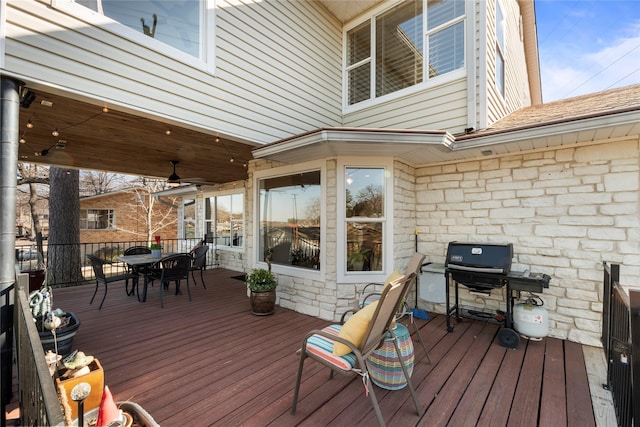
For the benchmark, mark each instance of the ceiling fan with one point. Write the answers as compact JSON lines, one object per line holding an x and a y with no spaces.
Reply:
{"x":174,"y":180}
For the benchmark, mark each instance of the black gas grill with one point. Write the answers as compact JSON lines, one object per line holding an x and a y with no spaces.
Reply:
{"x":482,"y":267}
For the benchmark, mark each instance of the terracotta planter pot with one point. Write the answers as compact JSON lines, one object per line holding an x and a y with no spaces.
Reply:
{"x":263,"y":303}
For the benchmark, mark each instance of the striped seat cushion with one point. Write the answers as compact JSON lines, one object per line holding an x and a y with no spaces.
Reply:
{"x":322,"y":348}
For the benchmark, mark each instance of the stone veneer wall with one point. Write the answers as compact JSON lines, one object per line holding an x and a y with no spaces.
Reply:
{"x":565,"y":211}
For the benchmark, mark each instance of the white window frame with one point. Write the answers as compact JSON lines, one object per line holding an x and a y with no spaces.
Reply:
{"x":215,"y":195}
{"x":305,"y":273}
{"x":427,"y":82}
{"x":112,"y":214}
{"x":344,"y":276}
{"x":207,"y":35}
{"x":500,"y":49}
{"x":183,"y":221}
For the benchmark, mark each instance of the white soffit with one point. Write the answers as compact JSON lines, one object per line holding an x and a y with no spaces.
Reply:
{"x":428,"y":147}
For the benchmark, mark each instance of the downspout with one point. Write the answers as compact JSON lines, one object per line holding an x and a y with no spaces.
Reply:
{"x":164,"y":202}
{"x":9,"y":132}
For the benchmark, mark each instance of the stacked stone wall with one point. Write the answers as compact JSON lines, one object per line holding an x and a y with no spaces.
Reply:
{"x":565,"y":211}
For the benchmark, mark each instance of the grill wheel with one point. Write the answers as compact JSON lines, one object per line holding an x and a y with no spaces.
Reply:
{"x":508,"y":338}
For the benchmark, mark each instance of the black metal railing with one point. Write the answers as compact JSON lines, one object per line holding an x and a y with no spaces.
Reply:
{"x":71,"y":254}
{"x":621,"y":340}
{"x":39,"y":404}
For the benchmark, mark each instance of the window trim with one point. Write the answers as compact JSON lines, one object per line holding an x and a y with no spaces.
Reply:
{"x":222,"y":193}
{"x":500,"y":51}
{"x":207,"y":36}
{"x":304,"y":273}
{"x":112,"y":223}
{"x":344,"y":276}
{"x":427,"y":82}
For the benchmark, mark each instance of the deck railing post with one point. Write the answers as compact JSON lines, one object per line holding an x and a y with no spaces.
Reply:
{"x":634,"y":302}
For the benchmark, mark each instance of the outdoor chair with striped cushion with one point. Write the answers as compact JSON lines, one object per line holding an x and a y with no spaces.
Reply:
{"x":320,"y":345}
{"x":372,"y":291}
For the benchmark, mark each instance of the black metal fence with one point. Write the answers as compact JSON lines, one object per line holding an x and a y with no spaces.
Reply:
{"x":621,"y":341}
{"x":28,"y":259}
{"x":39,"y":404}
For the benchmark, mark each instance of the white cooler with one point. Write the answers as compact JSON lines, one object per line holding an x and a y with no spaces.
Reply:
{"x":432,"y":283}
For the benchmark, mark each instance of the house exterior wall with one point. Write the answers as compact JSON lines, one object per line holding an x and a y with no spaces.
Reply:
{"x":565,"y":211}
{"x":279,"y":61}
{"x":517,"y":93}
{"x":130,"y":219}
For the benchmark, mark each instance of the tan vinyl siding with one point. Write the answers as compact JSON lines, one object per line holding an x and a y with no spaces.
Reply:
{"x":277,"y":68}
{"x":442,"y":106}
{"x":517,"y":93}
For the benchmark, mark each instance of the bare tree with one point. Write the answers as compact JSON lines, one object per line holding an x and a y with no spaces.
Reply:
{"x":93,"y":183}
{"x":155,"y":219}
{"x":35,"y":178}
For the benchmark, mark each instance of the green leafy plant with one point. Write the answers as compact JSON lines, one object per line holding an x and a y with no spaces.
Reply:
{"x":261,"y":280}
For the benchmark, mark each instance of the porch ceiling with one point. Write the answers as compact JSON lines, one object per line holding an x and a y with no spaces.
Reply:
{"x":118,"y":141}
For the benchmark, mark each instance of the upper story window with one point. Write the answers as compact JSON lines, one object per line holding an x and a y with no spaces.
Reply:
{"x":97,"y":219}
{"x":175,"y":27}
{"x":289,"y":220}
{"x":500,"y":43}
{"x":224,"y":220}
{"x":387,"y":53}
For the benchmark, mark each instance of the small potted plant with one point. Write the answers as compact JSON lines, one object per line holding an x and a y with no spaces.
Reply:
{"x":156,"y":248}
{"x":262,"y":284}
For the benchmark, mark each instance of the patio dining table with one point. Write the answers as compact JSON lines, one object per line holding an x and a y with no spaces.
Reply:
{"x":140,"y":262}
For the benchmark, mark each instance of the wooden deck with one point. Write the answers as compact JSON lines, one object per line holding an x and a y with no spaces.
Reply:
{"x":211,"y":362}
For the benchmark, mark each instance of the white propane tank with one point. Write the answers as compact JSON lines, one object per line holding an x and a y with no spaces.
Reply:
{"x":530,"y":319}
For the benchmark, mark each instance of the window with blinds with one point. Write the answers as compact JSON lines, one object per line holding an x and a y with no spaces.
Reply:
{"x":403,"y":36}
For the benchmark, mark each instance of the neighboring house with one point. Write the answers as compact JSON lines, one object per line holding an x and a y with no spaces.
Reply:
{"x":123,"y":216}
{"x":380,"y":126}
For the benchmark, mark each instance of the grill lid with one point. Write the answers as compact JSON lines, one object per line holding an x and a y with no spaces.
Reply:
{"x":480,"y":257}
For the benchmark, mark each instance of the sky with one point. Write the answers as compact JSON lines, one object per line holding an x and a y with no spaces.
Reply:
{"x":587,"y":46}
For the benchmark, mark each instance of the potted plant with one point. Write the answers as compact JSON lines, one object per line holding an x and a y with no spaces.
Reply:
{"x":262,"y":284}
{"x":55,"y":327}
{"x":156,"y":248}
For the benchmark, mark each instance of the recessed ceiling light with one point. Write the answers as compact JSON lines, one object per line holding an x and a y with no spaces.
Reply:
{"x":46,"y":103}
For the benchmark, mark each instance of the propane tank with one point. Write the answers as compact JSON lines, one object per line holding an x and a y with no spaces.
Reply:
{"x":530,"y":319}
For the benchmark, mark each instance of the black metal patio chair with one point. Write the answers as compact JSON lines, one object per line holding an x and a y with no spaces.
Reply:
{"x":199,"y":262}
{"x":172,"y":268}
{"x":101,"y":278}
{"x":135,"y":250}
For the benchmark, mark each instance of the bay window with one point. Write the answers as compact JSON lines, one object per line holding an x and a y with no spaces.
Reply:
{"x":289,"y":210}
{"x":365,"y":218}
{"x":224,"y":220}
{"x":188,"y":218}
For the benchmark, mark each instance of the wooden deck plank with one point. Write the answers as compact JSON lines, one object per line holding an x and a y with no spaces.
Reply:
{"x":445,"y":403}
{"x":496,"y":409}
{"x":526,"y":400}
{"x":553,"y":402}
{"x":470,"y":407}
{"x":579,"y":406}
{"x":211,"y":362}
{"x":429,"y":389}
